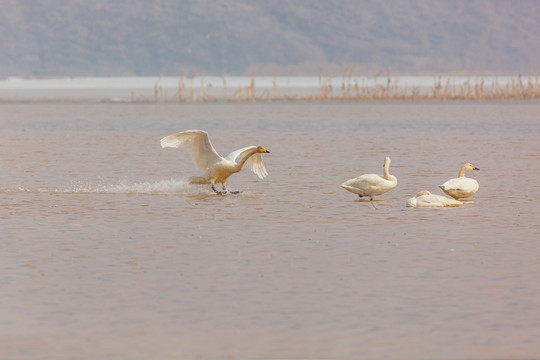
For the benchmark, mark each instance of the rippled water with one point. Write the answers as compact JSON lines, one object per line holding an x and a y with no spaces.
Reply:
{"x":108,"y":252}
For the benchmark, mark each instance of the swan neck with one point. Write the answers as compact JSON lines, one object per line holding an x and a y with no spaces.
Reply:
{"x":387,"y":175}
{"x":242,"y":160}
{"x":462,"y":172}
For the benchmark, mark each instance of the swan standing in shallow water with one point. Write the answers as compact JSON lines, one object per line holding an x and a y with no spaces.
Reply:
{"x":461,"y":187}
{"x":216,"y":168}
{"x":427,"y":199}
{"x":372,"y":184}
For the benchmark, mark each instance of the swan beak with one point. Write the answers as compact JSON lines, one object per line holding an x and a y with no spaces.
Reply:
{"x":265,"y":151}
{"x":475,"y":168}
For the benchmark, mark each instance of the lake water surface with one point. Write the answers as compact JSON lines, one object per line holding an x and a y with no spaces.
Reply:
{"x":108,"y":253}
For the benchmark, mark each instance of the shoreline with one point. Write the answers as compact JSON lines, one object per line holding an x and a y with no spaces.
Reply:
{"x":265,"y":89}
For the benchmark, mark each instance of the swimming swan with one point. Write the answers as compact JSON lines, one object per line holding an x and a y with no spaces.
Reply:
{"x":461,"y":187}
{"x":372,"y":184}
{"x":217,"y":169}
{"x":427,"y":199}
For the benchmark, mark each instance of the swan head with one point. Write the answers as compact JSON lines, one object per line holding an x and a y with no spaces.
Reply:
{"x":386,"y":161}
{"x":262,"y":149}
{"x":423,"y":192}
{"x":469,"y":166}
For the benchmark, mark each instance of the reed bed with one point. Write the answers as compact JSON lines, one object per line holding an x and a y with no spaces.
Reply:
{"x":444,"y":88}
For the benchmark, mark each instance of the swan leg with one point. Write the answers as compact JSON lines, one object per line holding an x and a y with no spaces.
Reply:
{"x":219,"y":192}
{"x":230,"y":192}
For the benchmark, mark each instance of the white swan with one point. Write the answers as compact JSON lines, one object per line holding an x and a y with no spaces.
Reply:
{"x":372,"y":184}
{"x":461,"y":187}
{"x":427,"y":199}
{"x":217,"y":169}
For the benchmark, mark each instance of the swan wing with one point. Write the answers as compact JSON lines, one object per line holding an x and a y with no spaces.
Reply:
{"x":411,"y":202}
{"x":366,"y":182}
{"x":460,"y":187}
{"x":462,"y":184}
{"x":437,"y":200}
{"x":255,"y":162}
{"x":449,"y":202}
{"x":373,"y":180}
{"x":198,"y":143}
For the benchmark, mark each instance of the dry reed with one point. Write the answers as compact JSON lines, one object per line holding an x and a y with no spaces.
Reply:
{"x":443,"y":89}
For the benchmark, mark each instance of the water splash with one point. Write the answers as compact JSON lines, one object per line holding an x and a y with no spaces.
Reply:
{"x":159,"y":187}
{"x":171,"y":186}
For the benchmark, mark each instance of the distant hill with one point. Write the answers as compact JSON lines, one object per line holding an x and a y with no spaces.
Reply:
{"x":140,"y":37}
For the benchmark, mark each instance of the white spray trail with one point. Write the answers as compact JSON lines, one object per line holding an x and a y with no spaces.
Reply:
{"x":171,"y":186}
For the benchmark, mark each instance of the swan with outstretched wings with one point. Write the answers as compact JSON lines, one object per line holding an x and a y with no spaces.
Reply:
{"x":217,"y":169}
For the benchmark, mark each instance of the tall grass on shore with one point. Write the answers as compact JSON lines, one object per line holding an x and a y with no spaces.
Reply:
{"x":443,"y":89}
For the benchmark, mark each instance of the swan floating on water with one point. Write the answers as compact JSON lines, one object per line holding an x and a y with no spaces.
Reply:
{"x":426,"y":199}
{"x":461,"y":187}
{"x":217,"y":169}
{"x":372,"y":184}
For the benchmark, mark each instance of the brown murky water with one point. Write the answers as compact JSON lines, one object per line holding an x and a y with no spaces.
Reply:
{"x":107,"y":252}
